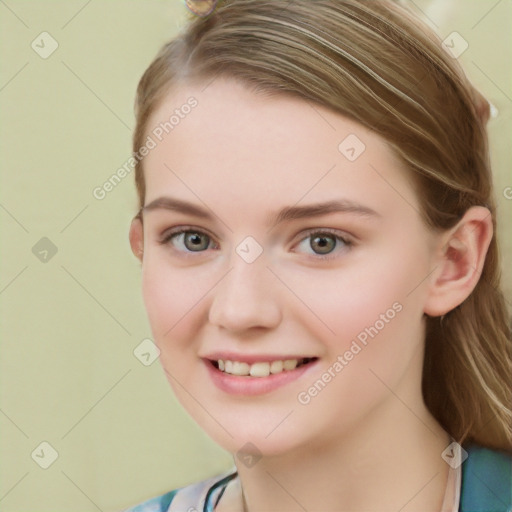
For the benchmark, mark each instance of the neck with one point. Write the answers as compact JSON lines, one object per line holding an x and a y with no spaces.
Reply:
{"x":394,"y":463}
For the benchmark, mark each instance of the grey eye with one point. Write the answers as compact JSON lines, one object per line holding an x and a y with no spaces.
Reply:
{"x":325,"y":243}
{"x":195,"y":241}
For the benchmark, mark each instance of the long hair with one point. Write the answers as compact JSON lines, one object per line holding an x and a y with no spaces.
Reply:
{"x":375,"y":63}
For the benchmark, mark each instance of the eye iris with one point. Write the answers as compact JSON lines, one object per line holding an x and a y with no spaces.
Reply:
{"x":195,"y":240}
{"x":323,"y":243}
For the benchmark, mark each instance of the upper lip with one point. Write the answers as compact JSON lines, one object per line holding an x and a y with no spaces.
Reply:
{"x":254,"y":358}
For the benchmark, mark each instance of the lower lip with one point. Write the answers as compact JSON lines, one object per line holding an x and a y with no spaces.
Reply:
{"x":240,"y":385}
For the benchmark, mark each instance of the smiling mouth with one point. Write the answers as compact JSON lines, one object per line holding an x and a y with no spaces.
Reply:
{"x":259,"y":369}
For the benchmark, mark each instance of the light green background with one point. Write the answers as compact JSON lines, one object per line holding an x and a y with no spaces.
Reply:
{"x":69,"y":326}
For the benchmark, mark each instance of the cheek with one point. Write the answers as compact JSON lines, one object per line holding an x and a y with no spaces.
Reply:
{"x":370,"y":316}
{"x":165,"y":306}
{"x":175,"y":302}
{"x":378,"y":337}
{"x":339,"y":304}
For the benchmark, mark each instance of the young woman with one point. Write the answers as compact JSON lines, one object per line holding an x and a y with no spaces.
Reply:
{"x":317,"y":233}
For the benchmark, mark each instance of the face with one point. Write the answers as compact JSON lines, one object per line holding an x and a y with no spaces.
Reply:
{"x":338,"y":291}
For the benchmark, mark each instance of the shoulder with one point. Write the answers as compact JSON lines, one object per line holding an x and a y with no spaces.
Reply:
{"x":486,"y":480}
{"x":192,"y":497}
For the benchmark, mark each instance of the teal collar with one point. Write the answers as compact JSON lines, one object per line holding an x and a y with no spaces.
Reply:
{"x":486,"y":481}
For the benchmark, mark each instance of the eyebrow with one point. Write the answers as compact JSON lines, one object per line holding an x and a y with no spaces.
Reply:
{"x":288,"y":213}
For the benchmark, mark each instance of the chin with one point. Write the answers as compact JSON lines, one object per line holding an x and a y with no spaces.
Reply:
{"x":253,"y":437}
{"x":257,"y":445}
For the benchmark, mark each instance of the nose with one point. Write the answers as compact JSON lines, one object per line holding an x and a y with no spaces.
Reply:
{"x":246,"y":297}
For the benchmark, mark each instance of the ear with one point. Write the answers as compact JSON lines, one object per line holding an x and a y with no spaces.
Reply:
{"x":460,"y":260}
{"x":136,"y":237}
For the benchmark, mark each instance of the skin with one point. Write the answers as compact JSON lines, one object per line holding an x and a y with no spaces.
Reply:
{"x":366,"y":441}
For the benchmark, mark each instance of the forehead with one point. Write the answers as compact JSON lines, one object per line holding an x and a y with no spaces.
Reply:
{"x":223,"y":137}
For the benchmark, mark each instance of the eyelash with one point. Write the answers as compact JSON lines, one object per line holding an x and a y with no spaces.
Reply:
{"x":347,"y":241}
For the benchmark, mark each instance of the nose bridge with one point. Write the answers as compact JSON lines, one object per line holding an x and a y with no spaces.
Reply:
{"x":245,"y":296}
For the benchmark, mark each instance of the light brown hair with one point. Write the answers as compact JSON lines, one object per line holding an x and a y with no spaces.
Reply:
{"x":376,"y":63}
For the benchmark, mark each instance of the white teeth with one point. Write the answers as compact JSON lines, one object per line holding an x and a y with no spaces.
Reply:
{"x":240,"y":368}
{"x":276,"y":366}
{"x":260,"y":369}
{"x":290,"y":364}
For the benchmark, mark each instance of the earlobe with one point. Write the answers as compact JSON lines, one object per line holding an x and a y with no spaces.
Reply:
{"x":462,"y":252}
{"x":136,"y":236}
